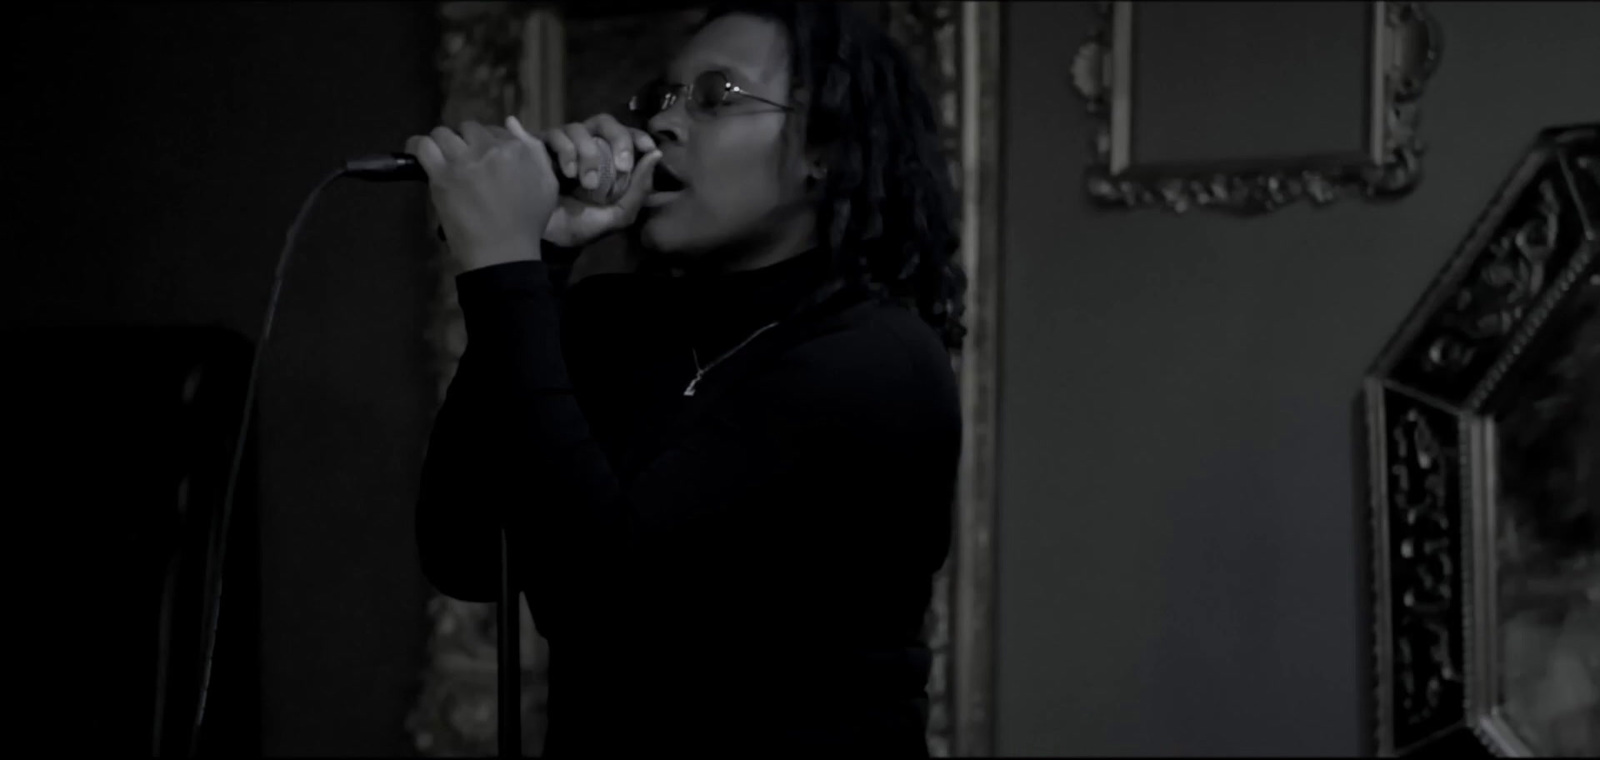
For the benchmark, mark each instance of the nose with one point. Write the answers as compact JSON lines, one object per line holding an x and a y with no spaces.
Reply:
{"x":668,"y":125}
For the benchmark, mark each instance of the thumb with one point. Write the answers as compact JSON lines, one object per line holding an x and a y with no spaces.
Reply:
{"x":639,"y":187}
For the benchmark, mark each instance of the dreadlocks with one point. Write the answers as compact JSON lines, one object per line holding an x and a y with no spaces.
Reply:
{"x":886,"y":211}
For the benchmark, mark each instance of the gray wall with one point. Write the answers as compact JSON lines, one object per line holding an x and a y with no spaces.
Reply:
{"x":165,"y":150}
{"x":1178,"y":538}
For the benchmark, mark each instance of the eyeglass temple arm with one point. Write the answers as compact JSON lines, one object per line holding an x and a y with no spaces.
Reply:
{"x":680,"y":90}
{"x":731,"y":87}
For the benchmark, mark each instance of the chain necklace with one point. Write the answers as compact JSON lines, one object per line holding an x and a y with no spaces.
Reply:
{"x":700,"y":371}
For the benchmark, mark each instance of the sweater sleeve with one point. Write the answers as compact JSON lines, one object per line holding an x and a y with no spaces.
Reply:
{"x":464,"y":474}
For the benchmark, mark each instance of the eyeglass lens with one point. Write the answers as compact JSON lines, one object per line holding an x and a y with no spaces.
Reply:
{"x":709,"y":91}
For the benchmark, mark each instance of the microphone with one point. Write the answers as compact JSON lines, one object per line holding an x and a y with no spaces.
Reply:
{"x":404,"y":167}
{"x":386,"y":167}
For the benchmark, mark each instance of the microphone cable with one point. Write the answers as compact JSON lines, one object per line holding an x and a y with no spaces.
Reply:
{"x":390,"y":167}
{"x":214,"y":576}
{"x":220,"y":534}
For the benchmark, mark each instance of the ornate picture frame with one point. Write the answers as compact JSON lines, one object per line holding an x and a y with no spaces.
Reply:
{"x":1403,"y":48}
{"x":500,"y":58}
{"x":1481,"y":415}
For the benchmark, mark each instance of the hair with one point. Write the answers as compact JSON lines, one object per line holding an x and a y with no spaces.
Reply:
{"x":886,"y":208}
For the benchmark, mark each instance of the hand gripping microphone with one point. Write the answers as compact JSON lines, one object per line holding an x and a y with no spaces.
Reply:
{"x":403,"y":167}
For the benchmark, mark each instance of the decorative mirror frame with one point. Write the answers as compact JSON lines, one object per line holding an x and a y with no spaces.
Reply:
{"x":1405,"y":47}
{"x":499,"y":58}
{"x":1528,"y":263}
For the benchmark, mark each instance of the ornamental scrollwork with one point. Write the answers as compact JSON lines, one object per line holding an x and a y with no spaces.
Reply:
{"x":1413,"y":41}
{"x":1509,"y":280}
{"x":1426,"y":567}
{"x":1479,"y":447}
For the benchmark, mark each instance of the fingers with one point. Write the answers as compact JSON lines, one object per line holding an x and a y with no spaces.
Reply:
{"x":633,"y":199}
{"x":589,"y":155}
{"x":580,"y":157}
{"x":427,"y":151}
{"x":566,"y":151}
{"x":477,"y":138}
{"x":616,"y":135}
{"x":448,"y":143}
{"x":515,"y":129}
{"x":642,"y":141}
{"x":443,"y":146}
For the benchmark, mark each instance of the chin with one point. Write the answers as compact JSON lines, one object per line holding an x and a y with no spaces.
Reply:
{"x":664,"y":238}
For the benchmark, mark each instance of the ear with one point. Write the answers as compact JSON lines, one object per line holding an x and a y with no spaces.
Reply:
{"x":816,"y":165}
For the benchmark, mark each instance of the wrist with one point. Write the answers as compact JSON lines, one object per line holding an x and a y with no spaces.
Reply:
{"x":483,"y":255}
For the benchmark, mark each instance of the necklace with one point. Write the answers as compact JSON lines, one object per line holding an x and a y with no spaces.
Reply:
{"x":700,"y":371}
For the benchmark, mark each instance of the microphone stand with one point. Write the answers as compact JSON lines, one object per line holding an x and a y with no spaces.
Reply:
{"x":509,"y":644}
{"x":401,"y":167}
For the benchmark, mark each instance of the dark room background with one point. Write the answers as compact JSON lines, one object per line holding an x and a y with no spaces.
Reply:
{"x":1178,"y":537}
{"x":165,"y":150}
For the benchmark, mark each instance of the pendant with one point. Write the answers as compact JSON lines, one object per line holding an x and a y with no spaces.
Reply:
{"x":689,"y":391}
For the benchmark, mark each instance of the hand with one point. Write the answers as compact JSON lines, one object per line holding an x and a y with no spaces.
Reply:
{"x":493,"y":188}
{"x":594,"y":211}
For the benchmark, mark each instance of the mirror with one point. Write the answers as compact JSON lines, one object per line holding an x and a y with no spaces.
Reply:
{"x":1546,"y":522}
{"x":1483,"y":418}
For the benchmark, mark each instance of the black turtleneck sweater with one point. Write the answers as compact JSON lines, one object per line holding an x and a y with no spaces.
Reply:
{"x":745,"y":569}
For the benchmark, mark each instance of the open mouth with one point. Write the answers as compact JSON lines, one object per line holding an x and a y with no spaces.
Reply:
{"x":665,"y":181}
{"x":665,"y":187}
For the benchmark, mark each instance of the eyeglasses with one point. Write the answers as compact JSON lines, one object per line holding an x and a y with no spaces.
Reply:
{"x":703,"y":97}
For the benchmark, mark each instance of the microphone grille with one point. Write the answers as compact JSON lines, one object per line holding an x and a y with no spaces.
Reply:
{"x":608,"y":172}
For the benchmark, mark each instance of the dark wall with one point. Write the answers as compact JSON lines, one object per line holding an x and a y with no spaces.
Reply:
{"x":161,"y":152}
{"x":1179,"y":524}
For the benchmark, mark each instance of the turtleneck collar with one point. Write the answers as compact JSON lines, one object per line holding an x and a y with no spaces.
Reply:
{"x":721,"y":310}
